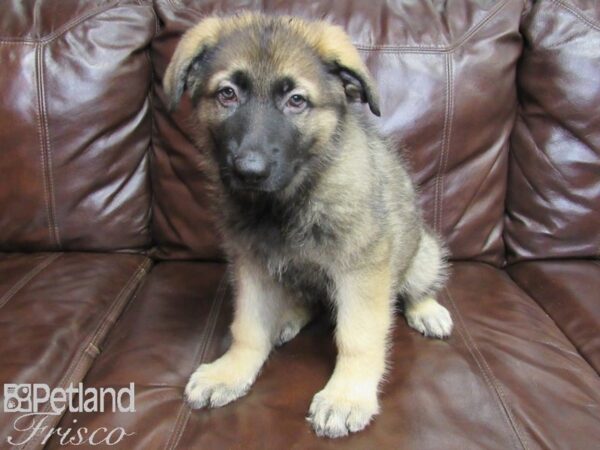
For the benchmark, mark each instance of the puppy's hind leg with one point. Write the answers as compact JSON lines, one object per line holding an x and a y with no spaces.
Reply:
{"x":293,"y":318}
{"x":425,"y":275}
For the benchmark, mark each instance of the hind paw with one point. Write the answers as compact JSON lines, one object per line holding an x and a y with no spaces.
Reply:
{"x":293,"y":321}
{"x":429,"y":318}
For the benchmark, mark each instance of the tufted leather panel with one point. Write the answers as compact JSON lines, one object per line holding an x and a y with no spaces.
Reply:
{"x":75,"y":128}
{"x":553,"y":202}
{"x":441,"y":68}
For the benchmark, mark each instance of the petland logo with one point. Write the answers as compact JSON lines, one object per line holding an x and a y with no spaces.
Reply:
{"x":36,"y":402}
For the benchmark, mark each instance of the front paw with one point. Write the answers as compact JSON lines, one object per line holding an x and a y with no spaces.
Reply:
{"x":335,"y":414}
{"x":211,"y":385}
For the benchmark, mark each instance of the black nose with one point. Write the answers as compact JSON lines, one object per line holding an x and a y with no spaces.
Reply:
{"x":251,"y":168}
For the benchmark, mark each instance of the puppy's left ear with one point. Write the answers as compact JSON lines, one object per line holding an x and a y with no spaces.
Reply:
{"x":188,"y":55}
{"x":335,"y":48}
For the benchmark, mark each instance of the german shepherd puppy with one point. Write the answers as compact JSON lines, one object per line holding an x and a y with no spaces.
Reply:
{"x":312,"y":203}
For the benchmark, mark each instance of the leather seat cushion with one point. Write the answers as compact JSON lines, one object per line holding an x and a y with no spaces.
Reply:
{"x":507,"y":377}
{"x":55,"y":311}
{"x":569,"y":291}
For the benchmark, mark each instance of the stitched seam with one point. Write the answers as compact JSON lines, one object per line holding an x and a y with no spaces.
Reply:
{"x":150,"y":98}
{"x":113,"y":313}
{"x":65,"y":28}
{"x":184,"y":411}
{"x":445,"y":144}
{"x":447,"y":49}
{"x":178,"y":5}
{"x":84,"y":351}
{"x":42,"y":140}
{"x":183,"y":414}
{"x":148,"y":3}
{"x":488,"y":376}
{"x":448,"y":136}
{"x":437,"y":175}
{"x":578,"y":14}
{"x":48,"y":153}
{"x":27,"y":278}
{"x":17,"y":43}
{"x":62,"y":30}
{"x":95,"y":349}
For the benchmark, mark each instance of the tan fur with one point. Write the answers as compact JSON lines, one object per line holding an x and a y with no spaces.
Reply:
{"x":263,"y":311}
{"x":349,"y":400}
{"x":204,"y":34}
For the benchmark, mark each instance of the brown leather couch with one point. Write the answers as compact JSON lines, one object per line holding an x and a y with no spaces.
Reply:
{"x":110,"y":270}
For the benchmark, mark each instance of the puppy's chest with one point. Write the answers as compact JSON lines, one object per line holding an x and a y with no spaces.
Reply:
{"x":300,"y":263}
{"x":298,"y":247}
{"x":300,"y":258}
{"x":302,"y":235}
{"x":309,"y":281}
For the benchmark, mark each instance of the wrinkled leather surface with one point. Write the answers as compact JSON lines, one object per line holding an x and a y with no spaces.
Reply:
{"x":75,"y":125}
{"x":55,"y":311}
{"x":553,"y":202}
{"x":497,"y":383}
{"x":569,"y":291}
{"x":440,"y":78}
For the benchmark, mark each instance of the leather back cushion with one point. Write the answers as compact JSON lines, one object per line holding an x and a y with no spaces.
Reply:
{"x":75,"y":124}
{"x":446,"y":74}
{"x":553,"y":202}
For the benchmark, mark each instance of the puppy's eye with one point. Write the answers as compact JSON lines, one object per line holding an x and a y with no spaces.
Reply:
{"x":296,"y":103}
{"x":227,"y":96}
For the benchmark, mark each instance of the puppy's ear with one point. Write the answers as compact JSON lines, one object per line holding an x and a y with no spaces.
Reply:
{"x":336,"y":49}
{"x":188,"y":57}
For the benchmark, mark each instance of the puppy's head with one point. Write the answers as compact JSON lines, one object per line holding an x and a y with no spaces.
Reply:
{"x":270,"y":92}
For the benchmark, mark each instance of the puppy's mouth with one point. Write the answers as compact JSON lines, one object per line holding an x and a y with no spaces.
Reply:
{"x":244,"y":186}
{"x":240,"y":187}
{"x":277,"y":183}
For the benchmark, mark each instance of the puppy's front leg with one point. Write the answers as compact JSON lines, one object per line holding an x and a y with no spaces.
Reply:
{"x":259,"y":304}
{"x":364,"y":310}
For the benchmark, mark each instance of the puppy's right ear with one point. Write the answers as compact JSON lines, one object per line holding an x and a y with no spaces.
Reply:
{"x":189,"y":52}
